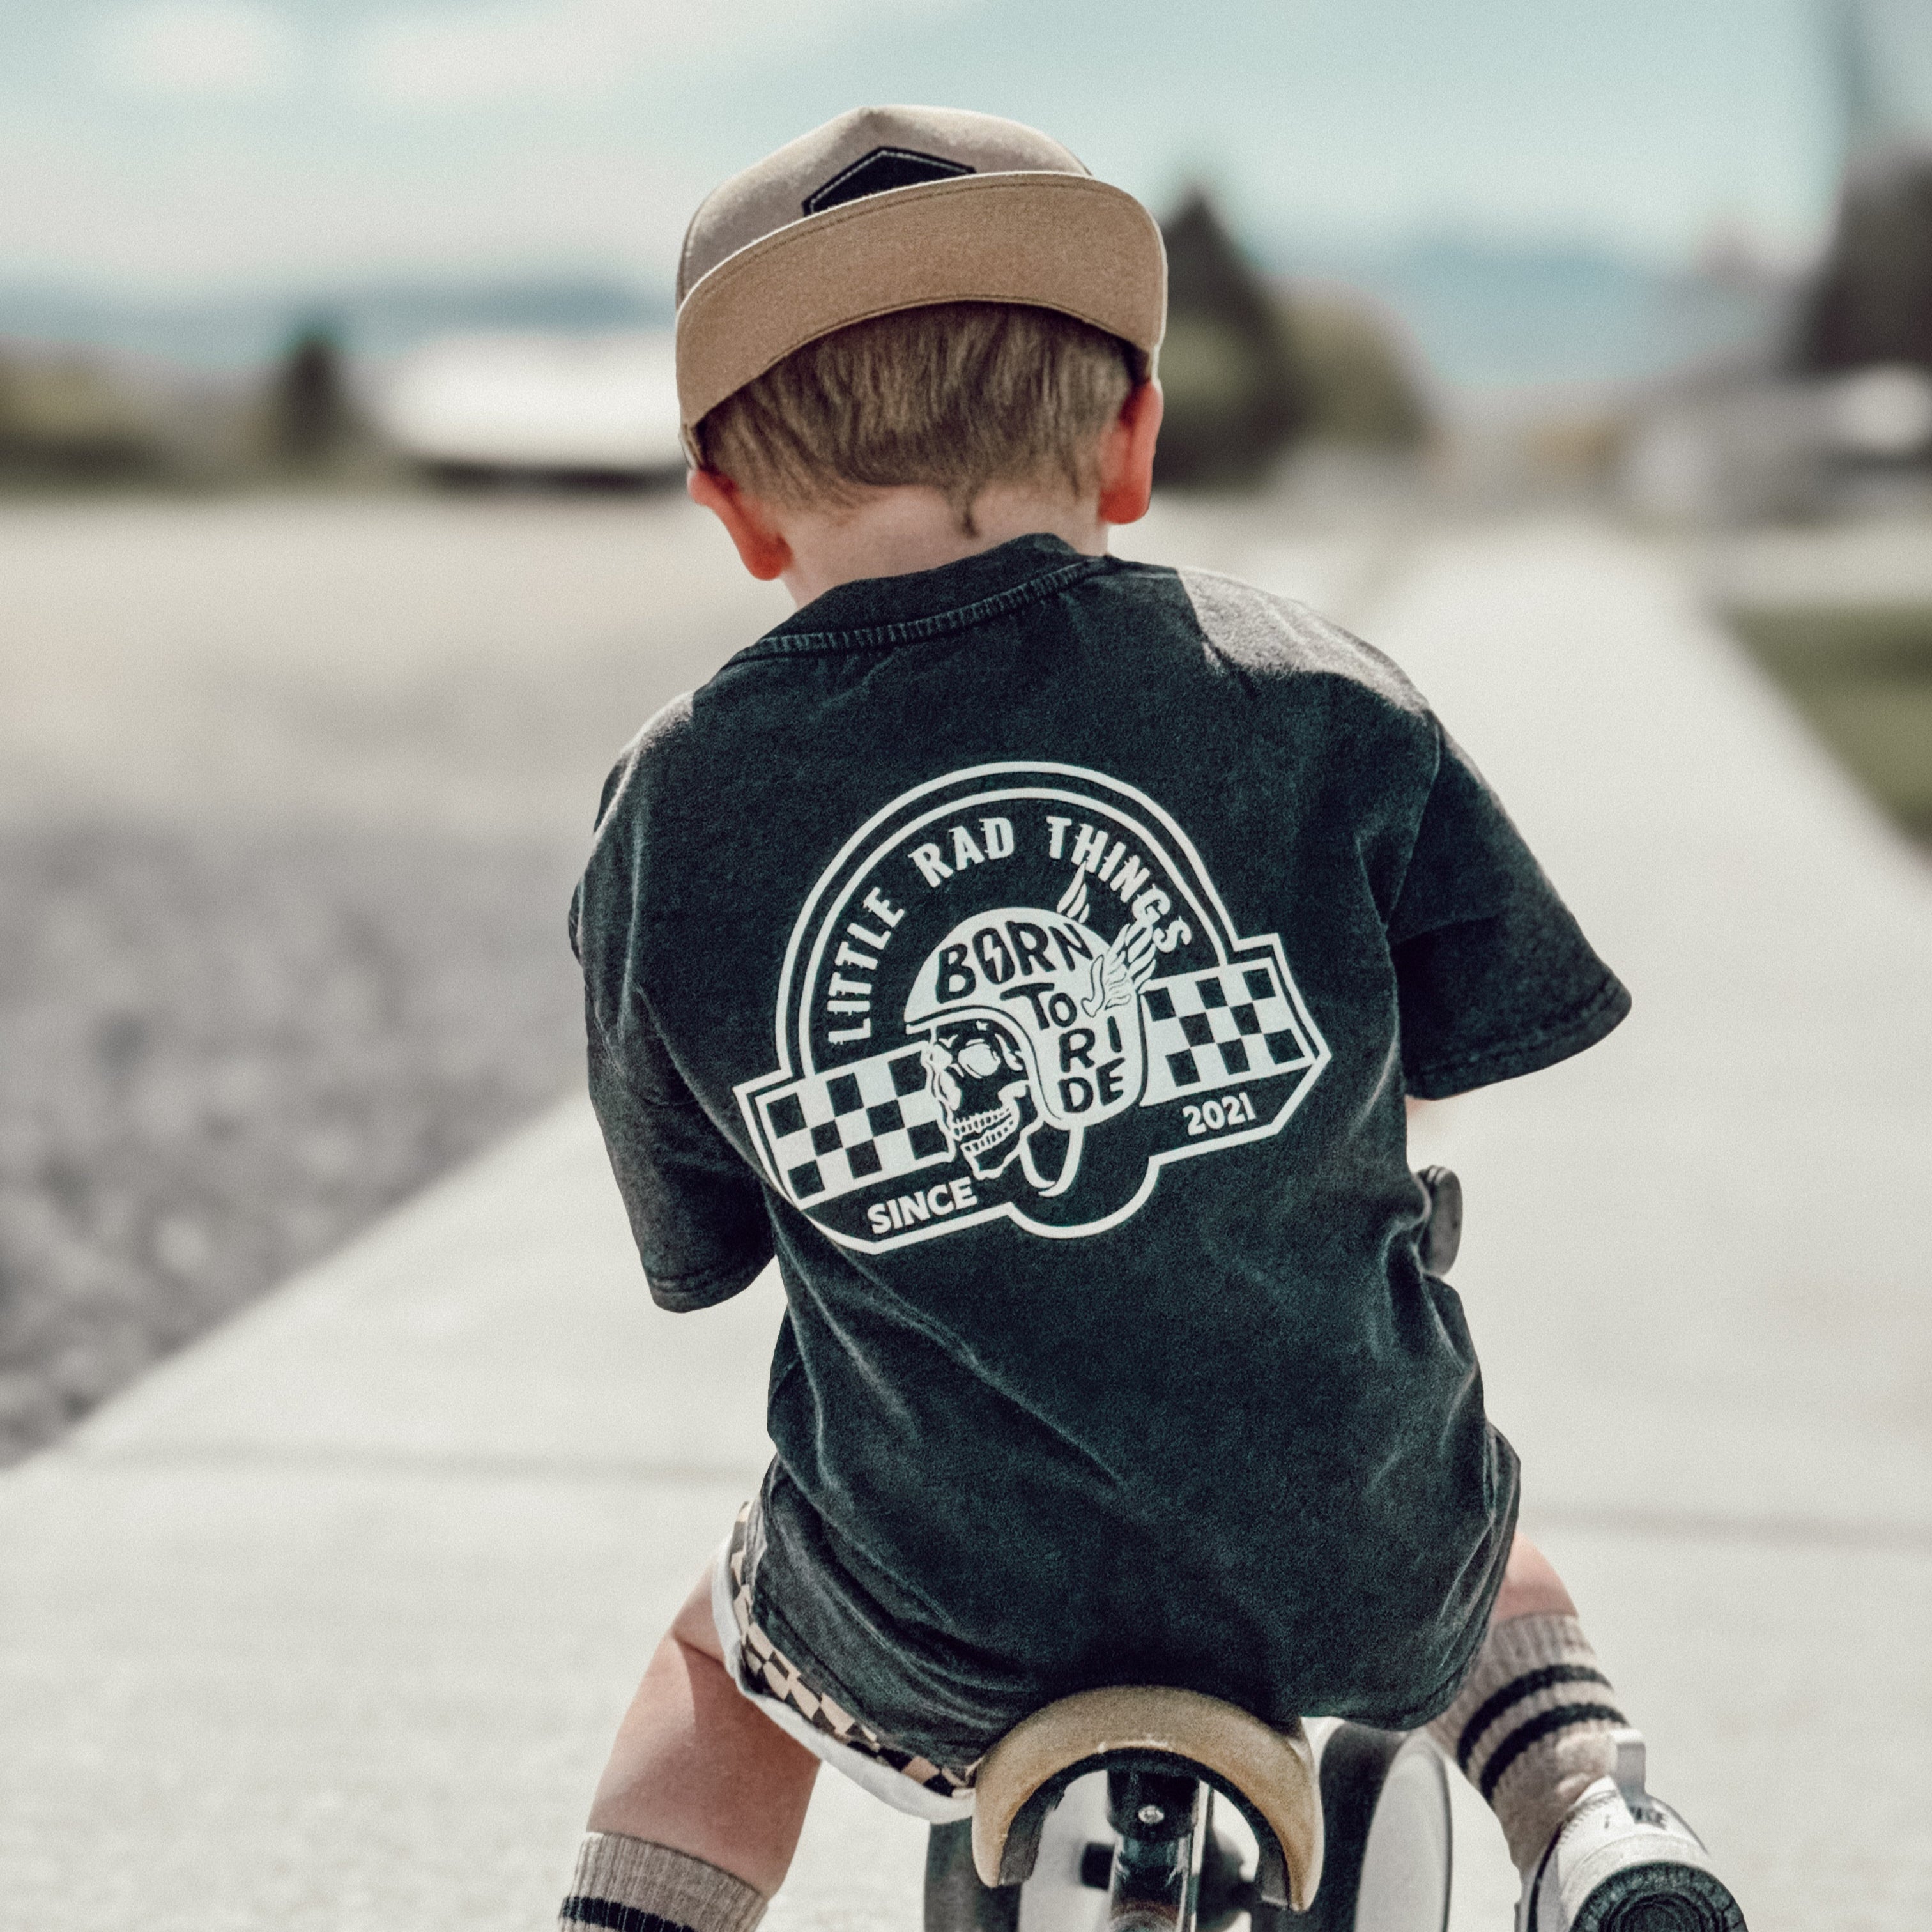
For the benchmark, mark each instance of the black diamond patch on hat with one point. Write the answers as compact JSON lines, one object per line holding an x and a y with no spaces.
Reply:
{"x":875,"y":173}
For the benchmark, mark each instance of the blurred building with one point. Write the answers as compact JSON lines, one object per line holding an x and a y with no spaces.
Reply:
{"x":464,"y":379}
{"x":68,"y":417}
{"x":557,"y":408}
{"x":1837,"y":407}
{"x":1871,"y":302}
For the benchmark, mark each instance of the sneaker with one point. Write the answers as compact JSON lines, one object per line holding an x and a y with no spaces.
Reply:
{"x":1625,"y":1861}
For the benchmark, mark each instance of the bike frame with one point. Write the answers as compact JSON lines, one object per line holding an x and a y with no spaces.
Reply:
{"x":1160,"y":1816}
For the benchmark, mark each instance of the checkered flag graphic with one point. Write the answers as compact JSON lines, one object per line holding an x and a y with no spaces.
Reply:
{"x":873,"y":1120}
{"x":1206,"y":1031}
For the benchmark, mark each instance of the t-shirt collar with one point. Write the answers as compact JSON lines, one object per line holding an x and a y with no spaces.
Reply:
{"x":926,"y":598}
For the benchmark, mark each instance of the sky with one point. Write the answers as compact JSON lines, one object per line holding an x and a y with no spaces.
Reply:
{"x":167,"y":147}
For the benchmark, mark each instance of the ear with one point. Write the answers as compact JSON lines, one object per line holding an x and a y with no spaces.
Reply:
{"x":761,"y":546}
{"x":1126,"y":456}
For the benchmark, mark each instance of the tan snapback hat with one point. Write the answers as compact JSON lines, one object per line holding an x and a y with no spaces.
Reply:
{"x":898,"y":208}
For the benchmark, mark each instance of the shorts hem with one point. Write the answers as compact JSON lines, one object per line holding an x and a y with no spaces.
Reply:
{"x":872,"y":1774}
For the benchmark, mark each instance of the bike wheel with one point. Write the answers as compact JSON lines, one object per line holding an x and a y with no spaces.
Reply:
{"x":1387,"y":1862}
{"x":955,"y":1900}
{"x":1067,"y":1891}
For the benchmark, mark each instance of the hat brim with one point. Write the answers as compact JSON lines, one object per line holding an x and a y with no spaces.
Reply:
{"x":1045,"y":240}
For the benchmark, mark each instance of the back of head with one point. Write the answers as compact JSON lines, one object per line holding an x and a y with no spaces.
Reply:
{"x":912,"y":295}
{"x":953,"y":397}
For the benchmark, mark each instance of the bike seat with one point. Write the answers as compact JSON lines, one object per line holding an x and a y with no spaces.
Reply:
{"x":1269,"y":1776}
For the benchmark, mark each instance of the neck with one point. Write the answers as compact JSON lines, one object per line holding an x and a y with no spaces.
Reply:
{"x":891,"y":532}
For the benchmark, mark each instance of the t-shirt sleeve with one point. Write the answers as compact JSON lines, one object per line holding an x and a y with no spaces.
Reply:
{"x":1494,"y":977}
{"x":696,"y":1208}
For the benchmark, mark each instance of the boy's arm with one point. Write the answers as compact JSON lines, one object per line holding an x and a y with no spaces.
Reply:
{"x":697,"y":1209}
{"x":1494,"y":977}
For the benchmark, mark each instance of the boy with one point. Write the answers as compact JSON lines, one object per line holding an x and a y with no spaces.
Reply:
{"x":1035,"y":952}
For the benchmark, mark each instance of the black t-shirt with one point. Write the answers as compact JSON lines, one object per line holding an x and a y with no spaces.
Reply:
{"x":1034,"y":954}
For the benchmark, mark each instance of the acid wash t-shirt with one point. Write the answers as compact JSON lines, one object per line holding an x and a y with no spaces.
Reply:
{"x":1034,"y":953}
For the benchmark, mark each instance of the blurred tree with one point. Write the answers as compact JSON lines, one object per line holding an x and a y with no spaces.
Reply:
{"x":68,"y":417}
{"x":311,"y":417}
{"x":1235,"y":396}
{"x":1359,"y":383}
{"x":1872,"y":300}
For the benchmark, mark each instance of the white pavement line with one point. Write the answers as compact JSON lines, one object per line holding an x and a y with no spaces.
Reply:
{"x":499,"y":1319}
{"x":1707,"y":1526}
{"x":238,"y":1700}
{"x":1693,"y":1255}
{"x":328,"y":1622}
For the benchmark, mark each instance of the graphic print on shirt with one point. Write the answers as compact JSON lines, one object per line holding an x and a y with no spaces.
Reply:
{"x":1016,"y":993}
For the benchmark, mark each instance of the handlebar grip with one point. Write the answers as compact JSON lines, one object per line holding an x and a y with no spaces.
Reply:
{"x":1441,"y":1234}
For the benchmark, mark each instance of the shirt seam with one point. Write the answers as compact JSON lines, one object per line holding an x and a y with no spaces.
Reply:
{"x":696,"y":1287}
{"x":1577,"y":1018}
{"x":1452,"y":1681}
{"x":1409,"y":858}
{"x":916,"y":630}
{"x":614,"y":1059}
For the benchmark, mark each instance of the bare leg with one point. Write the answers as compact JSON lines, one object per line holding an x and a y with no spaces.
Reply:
{"x":1531,"y":1585}
{"x":1531,"y":1725}
{"x":1535,"y":1727}
{"x":698,"y":1768}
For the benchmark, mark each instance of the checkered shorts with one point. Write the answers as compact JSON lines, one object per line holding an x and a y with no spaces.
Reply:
{"x":769,"y":1672}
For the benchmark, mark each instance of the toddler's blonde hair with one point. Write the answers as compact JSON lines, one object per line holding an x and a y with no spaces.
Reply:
{"x":954,"y":396}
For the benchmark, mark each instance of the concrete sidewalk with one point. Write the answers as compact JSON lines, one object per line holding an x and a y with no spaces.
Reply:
{"x":326,"y":1624}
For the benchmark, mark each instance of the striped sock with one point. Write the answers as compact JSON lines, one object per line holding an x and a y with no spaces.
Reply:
{"x":630,"y":1885}
{"x":1531,"y":1726}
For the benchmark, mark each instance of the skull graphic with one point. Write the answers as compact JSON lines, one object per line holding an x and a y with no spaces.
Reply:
{"x":977,"y":1072}
{"x":1034,"y":1035}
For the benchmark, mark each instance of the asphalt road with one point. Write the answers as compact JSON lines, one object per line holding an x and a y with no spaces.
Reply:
{"x":469,"y":664}
{"x":292,"y":794}
{"x":325,"y":1623}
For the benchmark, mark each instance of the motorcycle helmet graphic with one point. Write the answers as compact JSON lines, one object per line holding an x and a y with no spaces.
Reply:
{"x":1032,"y":1021}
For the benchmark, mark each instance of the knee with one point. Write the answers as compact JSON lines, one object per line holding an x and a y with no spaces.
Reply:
{"x":1531,"y":1585}
{"x":694,"y":1629}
